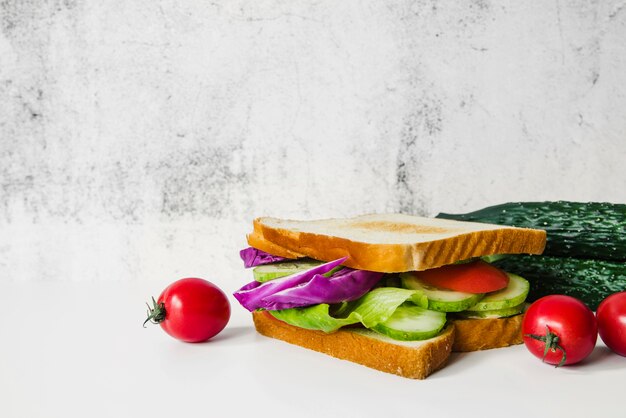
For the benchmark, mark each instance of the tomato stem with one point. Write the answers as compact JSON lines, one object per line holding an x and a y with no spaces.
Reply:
{"x":156,"y":312}
{"x":551,"y":341}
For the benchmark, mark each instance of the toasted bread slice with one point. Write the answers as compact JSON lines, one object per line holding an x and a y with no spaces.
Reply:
{"x":256,"y":240}
{"x":487,"y":333}
{"x":412,"y":359}
{"x":392,"y":243}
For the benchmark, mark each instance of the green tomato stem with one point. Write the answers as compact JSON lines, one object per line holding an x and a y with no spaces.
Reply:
{"x":156,"y":313}
{"x":551,"y":341}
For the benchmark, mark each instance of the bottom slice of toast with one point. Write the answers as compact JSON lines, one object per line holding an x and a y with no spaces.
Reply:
{"x":488,"y":333}
{"x":412,"y":359}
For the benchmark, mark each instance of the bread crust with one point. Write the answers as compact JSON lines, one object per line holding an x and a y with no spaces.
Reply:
{"x":401,"y":257}
{"x":415,"y":362}
{"x":257,"y":241}
{"x":487,"y":333}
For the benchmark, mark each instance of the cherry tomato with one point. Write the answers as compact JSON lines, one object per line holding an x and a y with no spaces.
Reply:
{"x":473,"y":277}
{"x":559,"y":329}
{"x":611,"y":316}
{"x":190,"y":310}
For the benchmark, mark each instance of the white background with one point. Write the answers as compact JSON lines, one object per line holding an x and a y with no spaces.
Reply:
{"x":138,"y":139}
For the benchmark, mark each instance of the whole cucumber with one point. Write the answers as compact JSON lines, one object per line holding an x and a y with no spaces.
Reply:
{"x":594,"y":230}
{"x":588,"y":280}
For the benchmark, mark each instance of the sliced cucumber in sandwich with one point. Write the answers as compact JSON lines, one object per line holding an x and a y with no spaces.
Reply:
{"x":512,"y":295}
{"x":492,"y":258}
{"x":441,"y":300}
{"x":411,"y":323}
{"x":273,"y":271}
{"x":495,"y":313}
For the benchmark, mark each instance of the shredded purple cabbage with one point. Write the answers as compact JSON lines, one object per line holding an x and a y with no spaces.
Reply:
{"x":343,"y":286}
{"x":252,"y":257}
{"x":307,"y":288}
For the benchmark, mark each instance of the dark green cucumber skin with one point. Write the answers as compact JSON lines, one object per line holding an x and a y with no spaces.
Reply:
{"x":574,"y":229}
{"x":588,"y":280}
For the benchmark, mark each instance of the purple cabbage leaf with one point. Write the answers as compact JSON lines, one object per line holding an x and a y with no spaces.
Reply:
{"x":309,"y":287}
{"x":252,"y":257}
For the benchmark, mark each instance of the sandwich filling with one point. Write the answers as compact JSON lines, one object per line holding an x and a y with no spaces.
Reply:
{"x":409,"y":306}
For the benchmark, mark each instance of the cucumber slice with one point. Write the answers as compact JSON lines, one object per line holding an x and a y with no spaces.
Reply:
{"x":512,"y":295}
{"x":273,"y":271}
{"x":495,"y":313}
{"x":411,"y":323}
{"x":441,"y":300}
{"x":493,"y":258}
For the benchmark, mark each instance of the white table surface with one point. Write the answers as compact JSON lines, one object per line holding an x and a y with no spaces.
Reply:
{"x":77,"y":349}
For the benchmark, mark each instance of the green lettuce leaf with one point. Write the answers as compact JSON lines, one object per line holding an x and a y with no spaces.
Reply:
{"x":371,"y":309}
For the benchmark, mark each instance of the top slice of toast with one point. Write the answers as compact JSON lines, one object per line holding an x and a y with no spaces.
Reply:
{"x":392,"y":243}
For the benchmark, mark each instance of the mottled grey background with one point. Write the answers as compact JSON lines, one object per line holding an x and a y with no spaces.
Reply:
{"x":138,"y":138}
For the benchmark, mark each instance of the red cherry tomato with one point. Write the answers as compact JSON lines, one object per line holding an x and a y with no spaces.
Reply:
{"x":190,"y":310}
{"x":611,"y":316}
{"x":474,"y":277}
{"x":559,"y":329}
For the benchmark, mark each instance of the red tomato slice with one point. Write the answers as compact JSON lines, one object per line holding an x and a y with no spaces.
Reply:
{"x":474,"y":277}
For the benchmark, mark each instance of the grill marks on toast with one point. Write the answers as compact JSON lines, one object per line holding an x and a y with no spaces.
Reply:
{"x":400,"y":228}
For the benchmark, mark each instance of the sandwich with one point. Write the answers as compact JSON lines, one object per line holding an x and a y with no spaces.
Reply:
{"x":393,"y":292}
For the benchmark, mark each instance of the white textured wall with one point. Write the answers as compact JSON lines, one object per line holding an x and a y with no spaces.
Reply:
{"x":138,"y":138}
